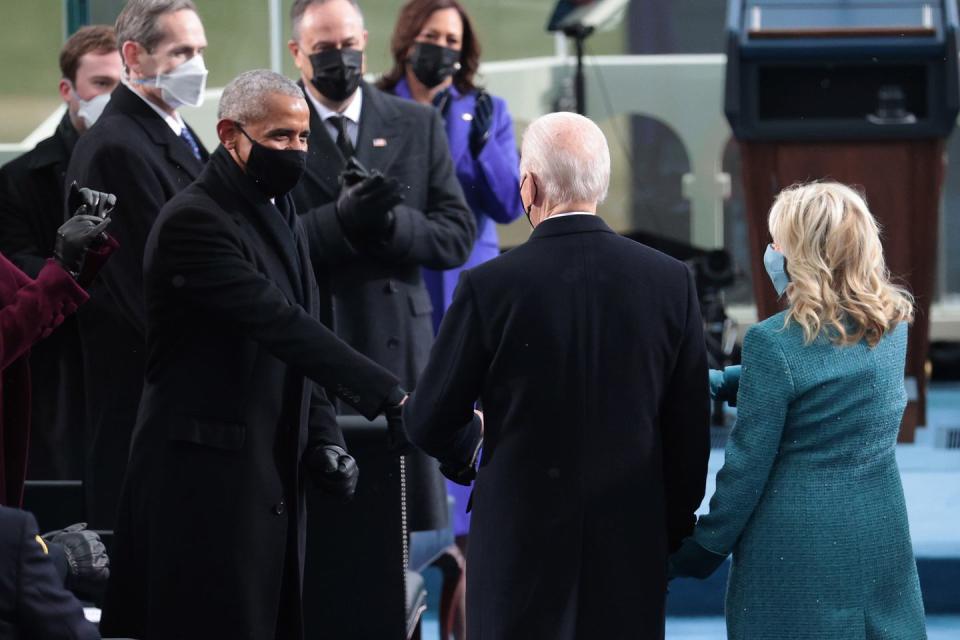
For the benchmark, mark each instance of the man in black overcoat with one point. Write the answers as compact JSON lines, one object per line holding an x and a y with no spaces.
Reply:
{"x":586,"y":352}
{"x":234,"y":419}
{"x":368,"y":245}
{"x":31,"y":210}
{"x":142,"y":151}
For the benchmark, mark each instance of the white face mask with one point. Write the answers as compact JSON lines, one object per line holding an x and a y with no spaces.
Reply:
{"x":90,"y":110}
{"x":184,"y":85}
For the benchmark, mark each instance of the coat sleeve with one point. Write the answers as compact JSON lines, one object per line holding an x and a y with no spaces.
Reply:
{"x":439,"y":415}
{"x":500,"y":169}
{"x":36,"y":309}
{"x":140,"y":196}
{"x":327,"y":241}
{"x":323,"y":428}
{"x":17,"y":239}
{"x":685,"y":425}
{"x":209,"y":272}
{"x":442,"y":236}
{"x":45,"y":609}
{"x":766,"y":389}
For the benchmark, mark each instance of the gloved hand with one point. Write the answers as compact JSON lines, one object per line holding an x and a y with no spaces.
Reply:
{"x":75,"y":237}
{"x":725,"y":384}
{"x":481,"y":123}
{"x":458,"y":473}
{"x":365,"y":209}
{"x":83,"y":201}
{"x":397,"y":440}
{"x":353,"y":173}
{"x":88,"y":567}
{"x":334,"y":470}
{"x":692,"y":560}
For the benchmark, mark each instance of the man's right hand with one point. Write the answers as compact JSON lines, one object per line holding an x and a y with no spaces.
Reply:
{"x":74,"y":239}
{"x":365,"y":209}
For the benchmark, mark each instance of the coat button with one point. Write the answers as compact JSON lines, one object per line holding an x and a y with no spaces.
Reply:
{"x":393,"y":342}
{"x":279,"y":508}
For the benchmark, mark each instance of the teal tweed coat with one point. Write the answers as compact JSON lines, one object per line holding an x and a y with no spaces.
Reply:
{"x":809,"y":498}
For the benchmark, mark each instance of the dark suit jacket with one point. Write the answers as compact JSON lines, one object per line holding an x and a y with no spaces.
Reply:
{"x":31,"y":211}
{"x":587,"y":352}
{"x":134,"y":154}
{"x":212,"y":520}
{"x":33,"y":601}
{"x":373,"y":294}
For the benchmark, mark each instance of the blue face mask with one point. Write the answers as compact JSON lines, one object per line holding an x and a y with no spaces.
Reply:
{"x":776,"y":265}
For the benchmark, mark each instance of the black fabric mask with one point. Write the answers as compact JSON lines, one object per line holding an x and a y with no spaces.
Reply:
{"x":276,"y":171}
{"x":432,"y":64}
{"x":337,"y":72}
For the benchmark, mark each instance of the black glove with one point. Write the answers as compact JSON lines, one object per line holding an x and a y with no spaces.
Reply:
{"x":482,"y":122}
{"x":353,"y":173}
{"x":365,"y":209}
{"x":83,"y":201}
{"x":334,"y":470}
{"x":88,"y":567}
{"x":397,"y":440}
{"x":75,"y":237}
{"x":459,"y":474}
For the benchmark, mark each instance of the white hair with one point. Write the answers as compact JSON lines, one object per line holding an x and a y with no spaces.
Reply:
{"x":569,"y":155}
{"x":244,"y":99}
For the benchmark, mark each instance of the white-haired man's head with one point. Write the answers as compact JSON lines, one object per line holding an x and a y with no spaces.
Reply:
{"x":564,"y":166}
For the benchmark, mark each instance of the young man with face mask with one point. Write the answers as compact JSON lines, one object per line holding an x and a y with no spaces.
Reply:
{"x":370,"y":239}
{"x":31,"y":209}
{"x":234,"y":418}
{"x":145,"y":153}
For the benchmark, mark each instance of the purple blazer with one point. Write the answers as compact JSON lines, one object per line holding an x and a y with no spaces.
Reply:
{"x":490,"y":183}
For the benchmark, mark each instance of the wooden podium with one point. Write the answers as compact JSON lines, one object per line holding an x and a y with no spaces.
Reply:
{"x":902,"y":180}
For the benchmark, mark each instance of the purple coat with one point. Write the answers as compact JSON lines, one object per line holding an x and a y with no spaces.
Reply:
{"x":491,"y":185}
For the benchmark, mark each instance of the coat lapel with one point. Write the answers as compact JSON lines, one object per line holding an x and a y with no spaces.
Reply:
{"x":380,"y":139}
{"x":324,"y":160}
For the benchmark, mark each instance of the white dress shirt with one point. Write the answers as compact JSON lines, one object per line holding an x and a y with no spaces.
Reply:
{"x":569,"y":213}
{"x":351,"y":113}
{"x":175,"y":122}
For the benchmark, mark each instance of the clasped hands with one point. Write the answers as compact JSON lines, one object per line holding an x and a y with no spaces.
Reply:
{"x":366,"y":201}
{"x":84,"y":233}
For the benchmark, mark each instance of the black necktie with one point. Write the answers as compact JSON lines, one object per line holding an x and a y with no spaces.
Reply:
{"x":343,"y":140}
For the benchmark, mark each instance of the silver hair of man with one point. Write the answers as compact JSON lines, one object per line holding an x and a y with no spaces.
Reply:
{"x":245,"y":98}
{"x":140,"y":21}
{"x":300,"y":7}
{"x":569,"y":155}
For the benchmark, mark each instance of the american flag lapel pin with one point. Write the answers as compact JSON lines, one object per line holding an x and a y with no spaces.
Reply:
{"x":379,"y":142}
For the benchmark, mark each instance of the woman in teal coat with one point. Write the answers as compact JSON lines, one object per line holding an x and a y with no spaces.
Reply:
{"x":809,"y":499}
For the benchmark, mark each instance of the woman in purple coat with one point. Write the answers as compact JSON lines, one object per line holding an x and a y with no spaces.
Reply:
{"x":435,"y":59}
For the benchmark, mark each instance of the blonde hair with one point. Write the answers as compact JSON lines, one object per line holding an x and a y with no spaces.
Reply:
{"x":839,"y":282}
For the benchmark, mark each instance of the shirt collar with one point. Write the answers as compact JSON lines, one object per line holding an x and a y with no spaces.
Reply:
{"x":175,"y":121}
{"x":569,"y":213}
{"x":352,"y":112}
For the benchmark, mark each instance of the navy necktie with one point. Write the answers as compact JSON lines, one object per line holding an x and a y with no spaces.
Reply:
{"x":187,"y":137}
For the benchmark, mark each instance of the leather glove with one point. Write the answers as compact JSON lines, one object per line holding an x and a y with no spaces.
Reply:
{"x":334,"y":470}
{"x":459,"y":474}
{"x":96,"y":257}
{"x":83,"y":201}
{"x":88,"y":567}
{"x":481,"y":123}
{"x":74,"y":239}
{"x":365,"y":209}
{"x":353,"y":173}
{"x":397,"y":440}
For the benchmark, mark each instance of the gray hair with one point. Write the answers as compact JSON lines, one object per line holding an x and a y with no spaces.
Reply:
{"x":300,"y":7}
{"x":244,"y":99}
{"x":140,"y":21}
{"x":569,"y":155}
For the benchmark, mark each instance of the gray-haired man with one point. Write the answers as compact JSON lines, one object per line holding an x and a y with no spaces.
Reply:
{"x":143,"y":152}
{"x":211,"y":537}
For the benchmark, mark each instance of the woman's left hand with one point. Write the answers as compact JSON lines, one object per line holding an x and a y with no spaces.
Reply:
{"x":693,"y":561}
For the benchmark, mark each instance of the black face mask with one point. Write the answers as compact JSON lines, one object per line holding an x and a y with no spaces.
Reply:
{"x":526,"y":209}
{"x":337,"y":72}
{"x":432,"y":64}
{"x":276,"y":171}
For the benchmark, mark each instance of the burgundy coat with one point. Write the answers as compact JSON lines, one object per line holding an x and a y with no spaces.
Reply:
{"x":29,"y":311}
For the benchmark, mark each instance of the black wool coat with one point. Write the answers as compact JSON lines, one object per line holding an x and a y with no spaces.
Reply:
{"x":372,"y":294}
{"x":133,"y":153}
{"x":210,"y":542}
{"x":31,"y":211}
{"x":586,"y":350}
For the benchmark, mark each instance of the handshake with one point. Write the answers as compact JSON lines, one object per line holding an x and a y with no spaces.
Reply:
{"x":82,"y":245}
{"x":366,"y":201}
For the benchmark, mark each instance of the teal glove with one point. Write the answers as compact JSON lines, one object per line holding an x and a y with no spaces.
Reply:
{"x":725,"y":384}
